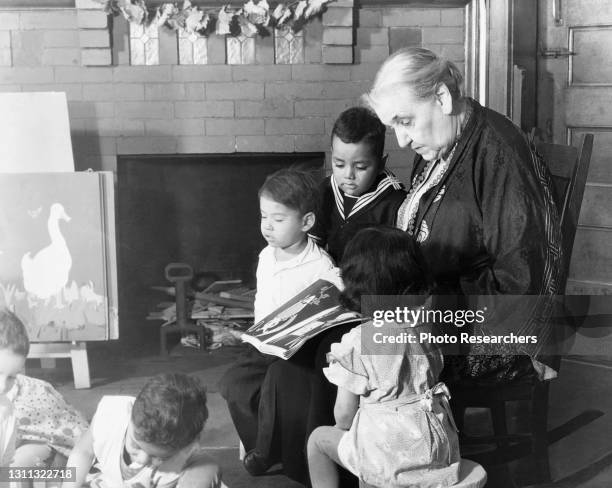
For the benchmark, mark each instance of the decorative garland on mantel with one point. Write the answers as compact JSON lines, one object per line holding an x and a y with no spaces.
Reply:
{"x":249,"y":20}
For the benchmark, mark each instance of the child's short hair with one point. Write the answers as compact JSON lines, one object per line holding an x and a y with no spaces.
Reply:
{"x":382,"y":261}
{"x":360,"y":124}
{"x":170,"y":410}
{"x":294,"y":188}
{"x":13,"y":334}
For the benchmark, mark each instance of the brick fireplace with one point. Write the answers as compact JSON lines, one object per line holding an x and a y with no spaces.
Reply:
{"x":199,"y":209}
{"x":173,"y":111}
{"x":214,"y":108}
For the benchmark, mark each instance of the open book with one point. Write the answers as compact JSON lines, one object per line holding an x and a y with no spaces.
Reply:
{"x":307,"y":314}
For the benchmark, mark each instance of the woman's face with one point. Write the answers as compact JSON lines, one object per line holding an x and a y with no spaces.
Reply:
{"x":424,"y":125}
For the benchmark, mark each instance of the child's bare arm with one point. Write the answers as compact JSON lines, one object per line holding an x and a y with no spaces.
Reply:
{"x":81,"y":458}
{"x":345,"y":408}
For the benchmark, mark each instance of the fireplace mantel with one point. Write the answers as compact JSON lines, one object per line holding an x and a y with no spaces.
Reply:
{"x":416,"y":3}
{"x":220,"y":3}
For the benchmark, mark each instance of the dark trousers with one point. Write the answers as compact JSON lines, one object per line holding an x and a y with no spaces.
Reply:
{"x":241,"y":388}
{"x":276,"y":404}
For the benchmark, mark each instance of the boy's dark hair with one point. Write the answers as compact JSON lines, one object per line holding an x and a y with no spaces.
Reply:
{"x":294,"y":188}
{"x":360,"y":124}
{"x":170,"y":410}
{"x":382,"y":261}
{"x":13,"y":334}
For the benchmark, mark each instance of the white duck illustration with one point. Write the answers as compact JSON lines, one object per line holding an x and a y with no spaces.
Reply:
{"x":46,"y":274}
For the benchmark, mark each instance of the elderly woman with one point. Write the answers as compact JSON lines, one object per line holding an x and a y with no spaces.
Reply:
{"x":480,"y":202}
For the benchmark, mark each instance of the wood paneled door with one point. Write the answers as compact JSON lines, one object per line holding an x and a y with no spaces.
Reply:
{"x":574,"y":97}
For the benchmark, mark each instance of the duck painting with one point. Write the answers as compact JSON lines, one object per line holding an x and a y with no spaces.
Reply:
{"x":46,"y":274}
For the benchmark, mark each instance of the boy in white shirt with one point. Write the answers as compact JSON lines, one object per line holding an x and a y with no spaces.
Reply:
{"x":292,"y":261}
{"x":148,"y":441}
{"x":289,"y":200}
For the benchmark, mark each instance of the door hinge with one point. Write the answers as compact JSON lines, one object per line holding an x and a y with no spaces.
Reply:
{"x":560,"y":52}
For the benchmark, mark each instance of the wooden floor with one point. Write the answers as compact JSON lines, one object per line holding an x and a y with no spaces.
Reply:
{"x":581,"y":458}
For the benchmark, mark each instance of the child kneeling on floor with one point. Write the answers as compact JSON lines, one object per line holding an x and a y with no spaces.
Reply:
{"x":148,"y":441}
{"x":394,"y":426}
{"x":39,"y":427}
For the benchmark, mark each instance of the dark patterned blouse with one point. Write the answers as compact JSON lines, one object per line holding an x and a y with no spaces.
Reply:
{"x":489,"y":226}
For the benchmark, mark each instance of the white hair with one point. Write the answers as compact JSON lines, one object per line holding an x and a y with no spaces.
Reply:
{"x":418,"y":69}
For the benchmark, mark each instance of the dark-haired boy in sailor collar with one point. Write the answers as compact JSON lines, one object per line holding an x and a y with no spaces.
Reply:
{"x":360,"y":192}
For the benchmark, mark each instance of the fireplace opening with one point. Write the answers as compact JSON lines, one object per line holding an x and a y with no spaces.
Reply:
{"x":199,"y":209}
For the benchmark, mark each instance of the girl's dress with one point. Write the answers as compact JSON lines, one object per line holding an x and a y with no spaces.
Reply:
{"x":7,"y":431}
{"x":403,"y":433}
{"x":43,"y":416}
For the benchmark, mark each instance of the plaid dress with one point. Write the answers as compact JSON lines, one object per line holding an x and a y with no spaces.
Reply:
{"x":403,"y":433}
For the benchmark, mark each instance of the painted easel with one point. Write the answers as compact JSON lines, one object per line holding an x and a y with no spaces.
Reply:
{"x":35,"y":138}
{"x":76,"y":351}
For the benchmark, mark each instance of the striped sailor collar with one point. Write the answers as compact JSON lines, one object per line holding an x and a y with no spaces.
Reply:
{"x":386,"y":180}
